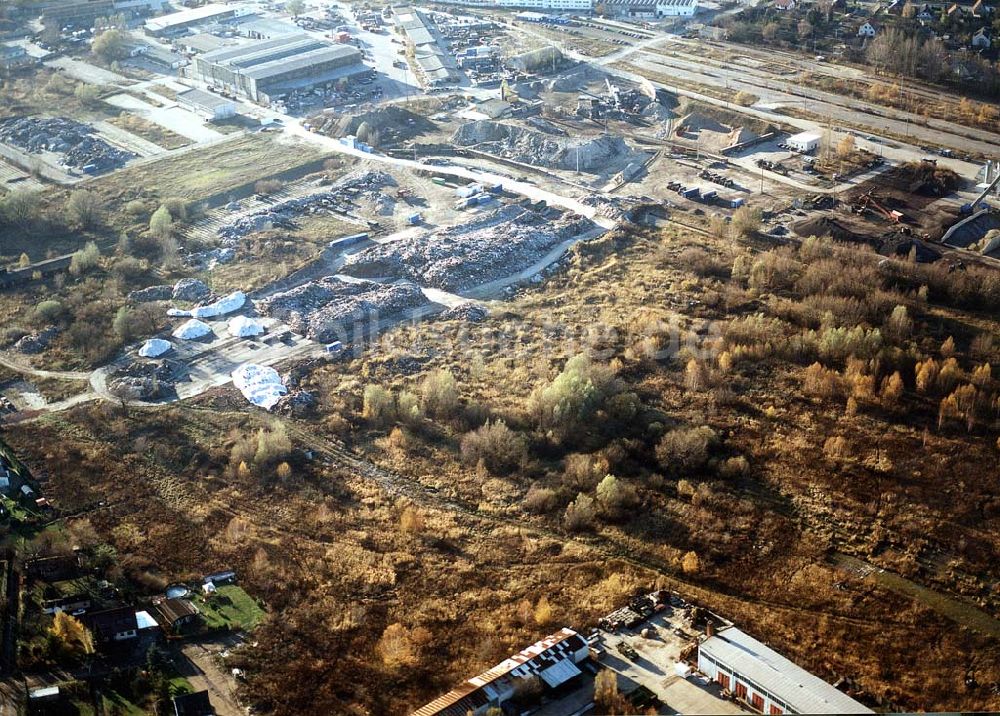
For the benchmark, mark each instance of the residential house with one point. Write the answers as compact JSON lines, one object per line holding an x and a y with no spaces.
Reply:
{"x":196,"y":704}
{"x":867,"y":29}
{"x":926,"y":14}
{"x":784,"y":4}
{"x":981,"y":40}
{"x":111,"y":625}
{"x":173,"y":614}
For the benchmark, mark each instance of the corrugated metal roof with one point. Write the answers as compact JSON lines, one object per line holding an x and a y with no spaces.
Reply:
{"x":196,"y":14}
{"x":539,"y":657}
{"x":257,"y":52}
{"x":282,"y":66}
{"x":802,"y":691}
{"x":559,"y":673}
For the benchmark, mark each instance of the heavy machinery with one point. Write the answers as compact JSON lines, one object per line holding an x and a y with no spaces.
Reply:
{"x":971,"y":207}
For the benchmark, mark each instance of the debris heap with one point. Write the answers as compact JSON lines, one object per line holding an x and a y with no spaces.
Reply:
{"x":331,"y":308}
{"x":456,"y":258}
{"x":599,"y":154}
{"x":338,"y":199}
{"x":76,"y":142}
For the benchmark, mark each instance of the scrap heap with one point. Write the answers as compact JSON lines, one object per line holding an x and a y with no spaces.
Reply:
{"x":331,"y":309}
{"x":500,"y":244}
{"x":74,"y":140}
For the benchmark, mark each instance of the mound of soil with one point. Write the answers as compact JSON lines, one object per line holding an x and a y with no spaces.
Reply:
{"x":825,"y":226}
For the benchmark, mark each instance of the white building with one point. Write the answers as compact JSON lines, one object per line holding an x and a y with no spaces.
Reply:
{"x":211,"y":106}
{"x":557,"y":5}
{"x":867,"y":30}
{"x":804,"y":142}
{"x":676,"y":8}
{"x":185,"y":19}
{"x":767,"y":681}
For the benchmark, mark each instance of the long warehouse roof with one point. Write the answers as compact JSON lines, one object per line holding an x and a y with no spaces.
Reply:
{"x":307,"y":59}
{"x":251,"y":53}
{"x":791,"y":683}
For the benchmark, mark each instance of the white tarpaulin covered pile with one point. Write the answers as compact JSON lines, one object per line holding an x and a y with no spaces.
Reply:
{"x":226,"y":304}
{"x":259,"y":384}
{"x":154,"y":348}
{"x":192,"y":329}
{"x":242,"y":327}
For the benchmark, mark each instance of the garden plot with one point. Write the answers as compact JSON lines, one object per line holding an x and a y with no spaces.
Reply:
{"x":332,"y":308}
{"x":500,"y":244}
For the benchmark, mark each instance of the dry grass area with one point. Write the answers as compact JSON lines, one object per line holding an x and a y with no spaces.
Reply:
{"x":149,"y":131}
{"x":49,"y":93}
{"x":224,"y":166}
{"x":796,"y":417}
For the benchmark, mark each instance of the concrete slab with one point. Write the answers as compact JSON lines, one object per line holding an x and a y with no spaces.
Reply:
{"x":171,"y":116}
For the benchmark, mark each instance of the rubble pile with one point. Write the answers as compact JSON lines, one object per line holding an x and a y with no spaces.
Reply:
{"x":470,"y":312}
{"x":600,"y":154}
{"x":76,"y":142}
{"x":151,"y":293}
{"x":392,"y":124}
{"x":298,"y":404}
{"x":190,"y":289}
{"x":36,"y":342}
{"x":339,"y":198}
{"x":456,"y":258}
{"x":143,"y":380}
{"x":331,"y":308}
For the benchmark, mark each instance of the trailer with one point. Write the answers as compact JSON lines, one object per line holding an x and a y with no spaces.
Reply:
{"x":692,"y":192}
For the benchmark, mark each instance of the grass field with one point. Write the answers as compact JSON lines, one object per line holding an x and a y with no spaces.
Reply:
{"x":241,"y":611}
{"x":209,"y":170}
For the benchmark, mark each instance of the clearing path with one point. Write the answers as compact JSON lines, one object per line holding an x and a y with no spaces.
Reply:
{"x":171,"y":116}
{"x":127,"y":140}
{"x":86,"y":72}
{"x":212,"y":677}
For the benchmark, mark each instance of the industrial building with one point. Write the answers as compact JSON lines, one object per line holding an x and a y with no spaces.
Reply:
{"x":177,"y":22}
{"x":83,"y":13}
{"x":435,"y":65}
{"x":270,"y":70}
{"x":211,"y":106}
{"x":765,"y":680}
{"x":557,"y":5}
{"x":553,"y":660}
{"x":805,"y":142}
{"x":650,"y":9}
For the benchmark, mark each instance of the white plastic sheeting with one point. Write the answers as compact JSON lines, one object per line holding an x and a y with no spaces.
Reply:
{"x":243,"y":327}
{"x":192,"y":329}
{"x":226,"y":304}
{"x":155,"y":347}
{"x":260,"y":384}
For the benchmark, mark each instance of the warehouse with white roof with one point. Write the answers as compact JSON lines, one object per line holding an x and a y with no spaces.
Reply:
{"x":765,"y":680}
{"x":269,"y":70}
